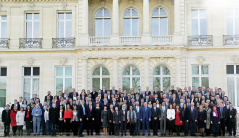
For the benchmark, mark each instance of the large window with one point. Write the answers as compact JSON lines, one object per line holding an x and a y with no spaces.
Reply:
{"x":159,"y":22}
{"x":30,"y":82}
{"x":102,"y":23}
{"x":162,"y":78}
{"x":3,"y":26}
{"x":3,"y":86}
{"x":232,"y":21}
{"x":64,"y":25}
{"x":199,"y":22}
{"x":200,"y":75}
{"x":63,"y":79}
{"x":32,"y":25}
{"x":233,"y":84}
{"x":130,"y":78}
{"x":131,"y":23}
{"x":100,"y":77}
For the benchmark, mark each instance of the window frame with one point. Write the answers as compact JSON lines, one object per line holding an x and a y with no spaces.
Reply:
{"x":131,"y":24}
{"x":31,"y":79}
{"x":159,"y":17}
{"x":200,"y":75}
{"x":64,"y":77}
{"x":5,"y":77}
{"x":103,"y":22}
{"x":131,"y":76}
{"x":2,"y":21}
{"x":99,"y":76}
{"x":32,"y":21}
{"x":198,"y":18}
{"x":64,"y":20}
{"x":233,"y":17}
{"x":161,"y":76}
{"x":234,"y":76}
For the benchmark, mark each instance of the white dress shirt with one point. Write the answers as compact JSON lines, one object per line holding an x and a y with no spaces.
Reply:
{"x":170,"y":114}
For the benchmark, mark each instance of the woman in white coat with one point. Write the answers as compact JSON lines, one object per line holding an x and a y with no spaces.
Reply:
{"x":170,"y":118}
{"x":20,"y":118}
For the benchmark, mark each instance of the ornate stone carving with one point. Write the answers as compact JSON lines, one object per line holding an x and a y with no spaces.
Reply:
{"x":235,"y":59}
{"x":100,"y":61}
{"x":31,"y":5}
{"x":63,"y":5}
{"x":130,"y":60}
{"x":200,"y":59}
{"x":30,"y":61}
{"x":131,"y":2}
{"x":162,"y":60}
{"x":102,"y":2}
{"x":159,"y":2}
{"x":63,"y":60}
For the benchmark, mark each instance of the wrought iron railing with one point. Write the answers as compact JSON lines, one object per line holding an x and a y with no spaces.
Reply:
{"x":200,"y":40}
{"x":230,"y":40}
{"x":63,"y":42}
{"x":162,"y":40}
{"x":4,"y":42}
{"x":99,"y":41}
{"x":30,"y":42}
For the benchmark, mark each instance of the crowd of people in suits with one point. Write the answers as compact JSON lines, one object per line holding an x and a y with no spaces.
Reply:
{"x":206,"y":111}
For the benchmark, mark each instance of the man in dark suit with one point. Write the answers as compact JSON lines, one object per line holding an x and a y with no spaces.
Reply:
{"x":137,"y":97}
{"x":223,"y":118}
{"x":137,"y":110}
{"x":110,"y":118}
{"x":73,"y":95}
{"x":156,"y":91}
{"x":155,"y":118}
{"x":232,"y":112}
{"x":103,"y":91}
{"x":172,"y":90}
{"x":15,"y":104}
{"x":113,"y":91}
{"x":59,"y":95}
{"x":123,"y":119}
{"x":146,"y":117}
{"x":174,"y":99}
{"x":82,"y":117}
{"x":193,"y":119}
{"x":89,"y":122}
{"x":48,"y":94}
{"x":147,"y":92}
{"x":94,"y":94}
{"x":114,"y":103}
{"x":6,"y":120}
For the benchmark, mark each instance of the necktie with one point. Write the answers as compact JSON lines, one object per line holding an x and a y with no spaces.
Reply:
{"x":90,"y":109}
{"x":7,"y":113}
{"x":145,"y":109}
{"x":154,"y":109}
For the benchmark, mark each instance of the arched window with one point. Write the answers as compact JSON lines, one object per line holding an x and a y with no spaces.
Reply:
{"x":100,"y":77}
{"x":162,"y":78}
{"x":159,"y":22}
{"x":131,"y":23}
{"x":130,"y":78}
{"x":102,"y":23}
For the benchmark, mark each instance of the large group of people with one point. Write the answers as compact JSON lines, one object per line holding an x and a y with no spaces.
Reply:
{"x":206,"y":111}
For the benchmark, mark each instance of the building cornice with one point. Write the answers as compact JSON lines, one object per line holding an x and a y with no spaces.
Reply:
{"x":39,"y":1}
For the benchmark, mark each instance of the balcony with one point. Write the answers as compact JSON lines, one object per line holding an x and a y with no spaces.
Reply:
{"x":30,"y":42}
{"x":230,"y":40}
{"x":4,"y":42}
{"x":200,"y":40}
{"x":130,"y":40}
{"x":162,"y":40}
{"x":99,"y":41}
{"x":63,"y":42}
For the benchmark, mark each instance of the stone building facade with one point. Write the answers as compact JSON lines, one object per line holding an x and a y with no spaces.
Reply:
{"x":57,"y":44}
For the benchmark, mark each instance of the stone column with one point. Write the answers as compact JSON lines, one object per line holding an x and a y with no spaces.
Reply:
{"x":84,"y":73}
{"x":115,"y":23}
{"x":85,"y":19}
{"x":178,"y":39}
{"x":178,"y":71}
{"x":115,"y":73}
{"x":146,"y":39}
{"x":146,"y":71}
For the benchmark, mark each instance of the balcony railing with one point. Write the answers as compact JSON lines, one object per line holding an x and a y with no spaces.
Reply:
{"x":230,"y":40}
{"x":130,"y":40}
{"x":4,"y":42}
{"x":162,"y":40}
{"x":99,"y":41}
{"x":30,"y":43}
{"x":63,"y":42}
{"x":200,"y":40}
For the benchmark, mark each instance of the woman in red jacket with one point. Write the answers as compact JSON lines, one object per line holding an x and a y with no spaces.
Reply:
{"x":13,"y":120}
{"x":178,"y":120}
{"x":68,"y":117}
